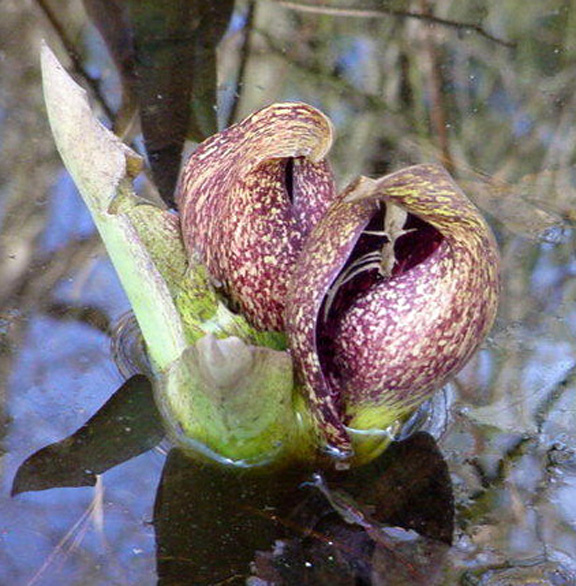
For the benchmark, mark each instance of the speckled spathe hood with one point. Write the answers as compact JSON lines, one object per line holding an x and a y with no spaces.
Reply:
{"x":392,"y":334}
{"x":249,"y":196}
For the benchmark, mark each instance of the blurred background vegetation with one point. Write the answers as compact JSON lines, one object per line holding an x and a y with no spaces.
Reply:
{"x":486,"y":88}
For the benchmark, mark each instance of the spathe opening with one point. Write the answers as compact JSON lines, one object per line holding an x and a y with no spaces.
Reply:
{"x":289,"y":178}
{"x":388,"y":247}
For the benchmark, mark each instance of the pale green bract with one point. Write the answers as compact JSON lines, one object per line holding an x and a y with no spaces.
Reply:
{"x":221,"y":396}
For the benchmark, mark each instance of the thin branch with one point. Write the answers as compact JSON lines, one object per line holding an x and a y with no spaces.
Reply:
{"x":553,"y":396}
{"x":33,"y":287}
{"x":437,"y":98}
{"x":385,"y":12}
{"x":87,"y":314}
{"x":244,"y":57}
{"x":75,"y":57}
{"x":326,"y":76}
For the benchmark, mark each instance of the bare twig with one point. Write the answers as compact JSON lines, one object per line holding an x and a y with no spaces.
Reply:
{"x":437,"y":100}
{"x":31,"y":289}
{"x":369,"y":101}
{"x":553,"y":396}
{"x":87,"y":314}
{"x":385,"y":12}
{"x":75,"y":57}
{"x":70,"y":541}
{"x":244,"y":56}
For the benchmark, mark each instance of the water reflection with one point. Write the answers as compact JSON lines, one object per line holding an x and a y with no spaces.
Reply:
{"x":298,"y":526}
{"x":511,"y":436}
{"x":212,"y":523}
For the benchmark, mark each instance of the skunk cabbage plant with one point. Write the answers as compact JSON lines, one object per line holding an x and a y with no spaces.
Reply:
{"x":383,"y":291}
{"x":282,"y":321}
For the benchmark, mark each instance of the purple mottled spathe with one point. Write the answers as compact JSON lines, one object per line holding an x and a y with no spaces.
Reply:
{"x":324,"y":255}
{"x":403,"y":336}
{"x":384,"y":291}
{"x":249,"y":196}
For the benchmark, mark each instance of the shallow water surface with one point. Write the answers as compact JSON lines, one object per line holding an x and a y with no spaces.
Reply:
{"x":400,"y":90}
